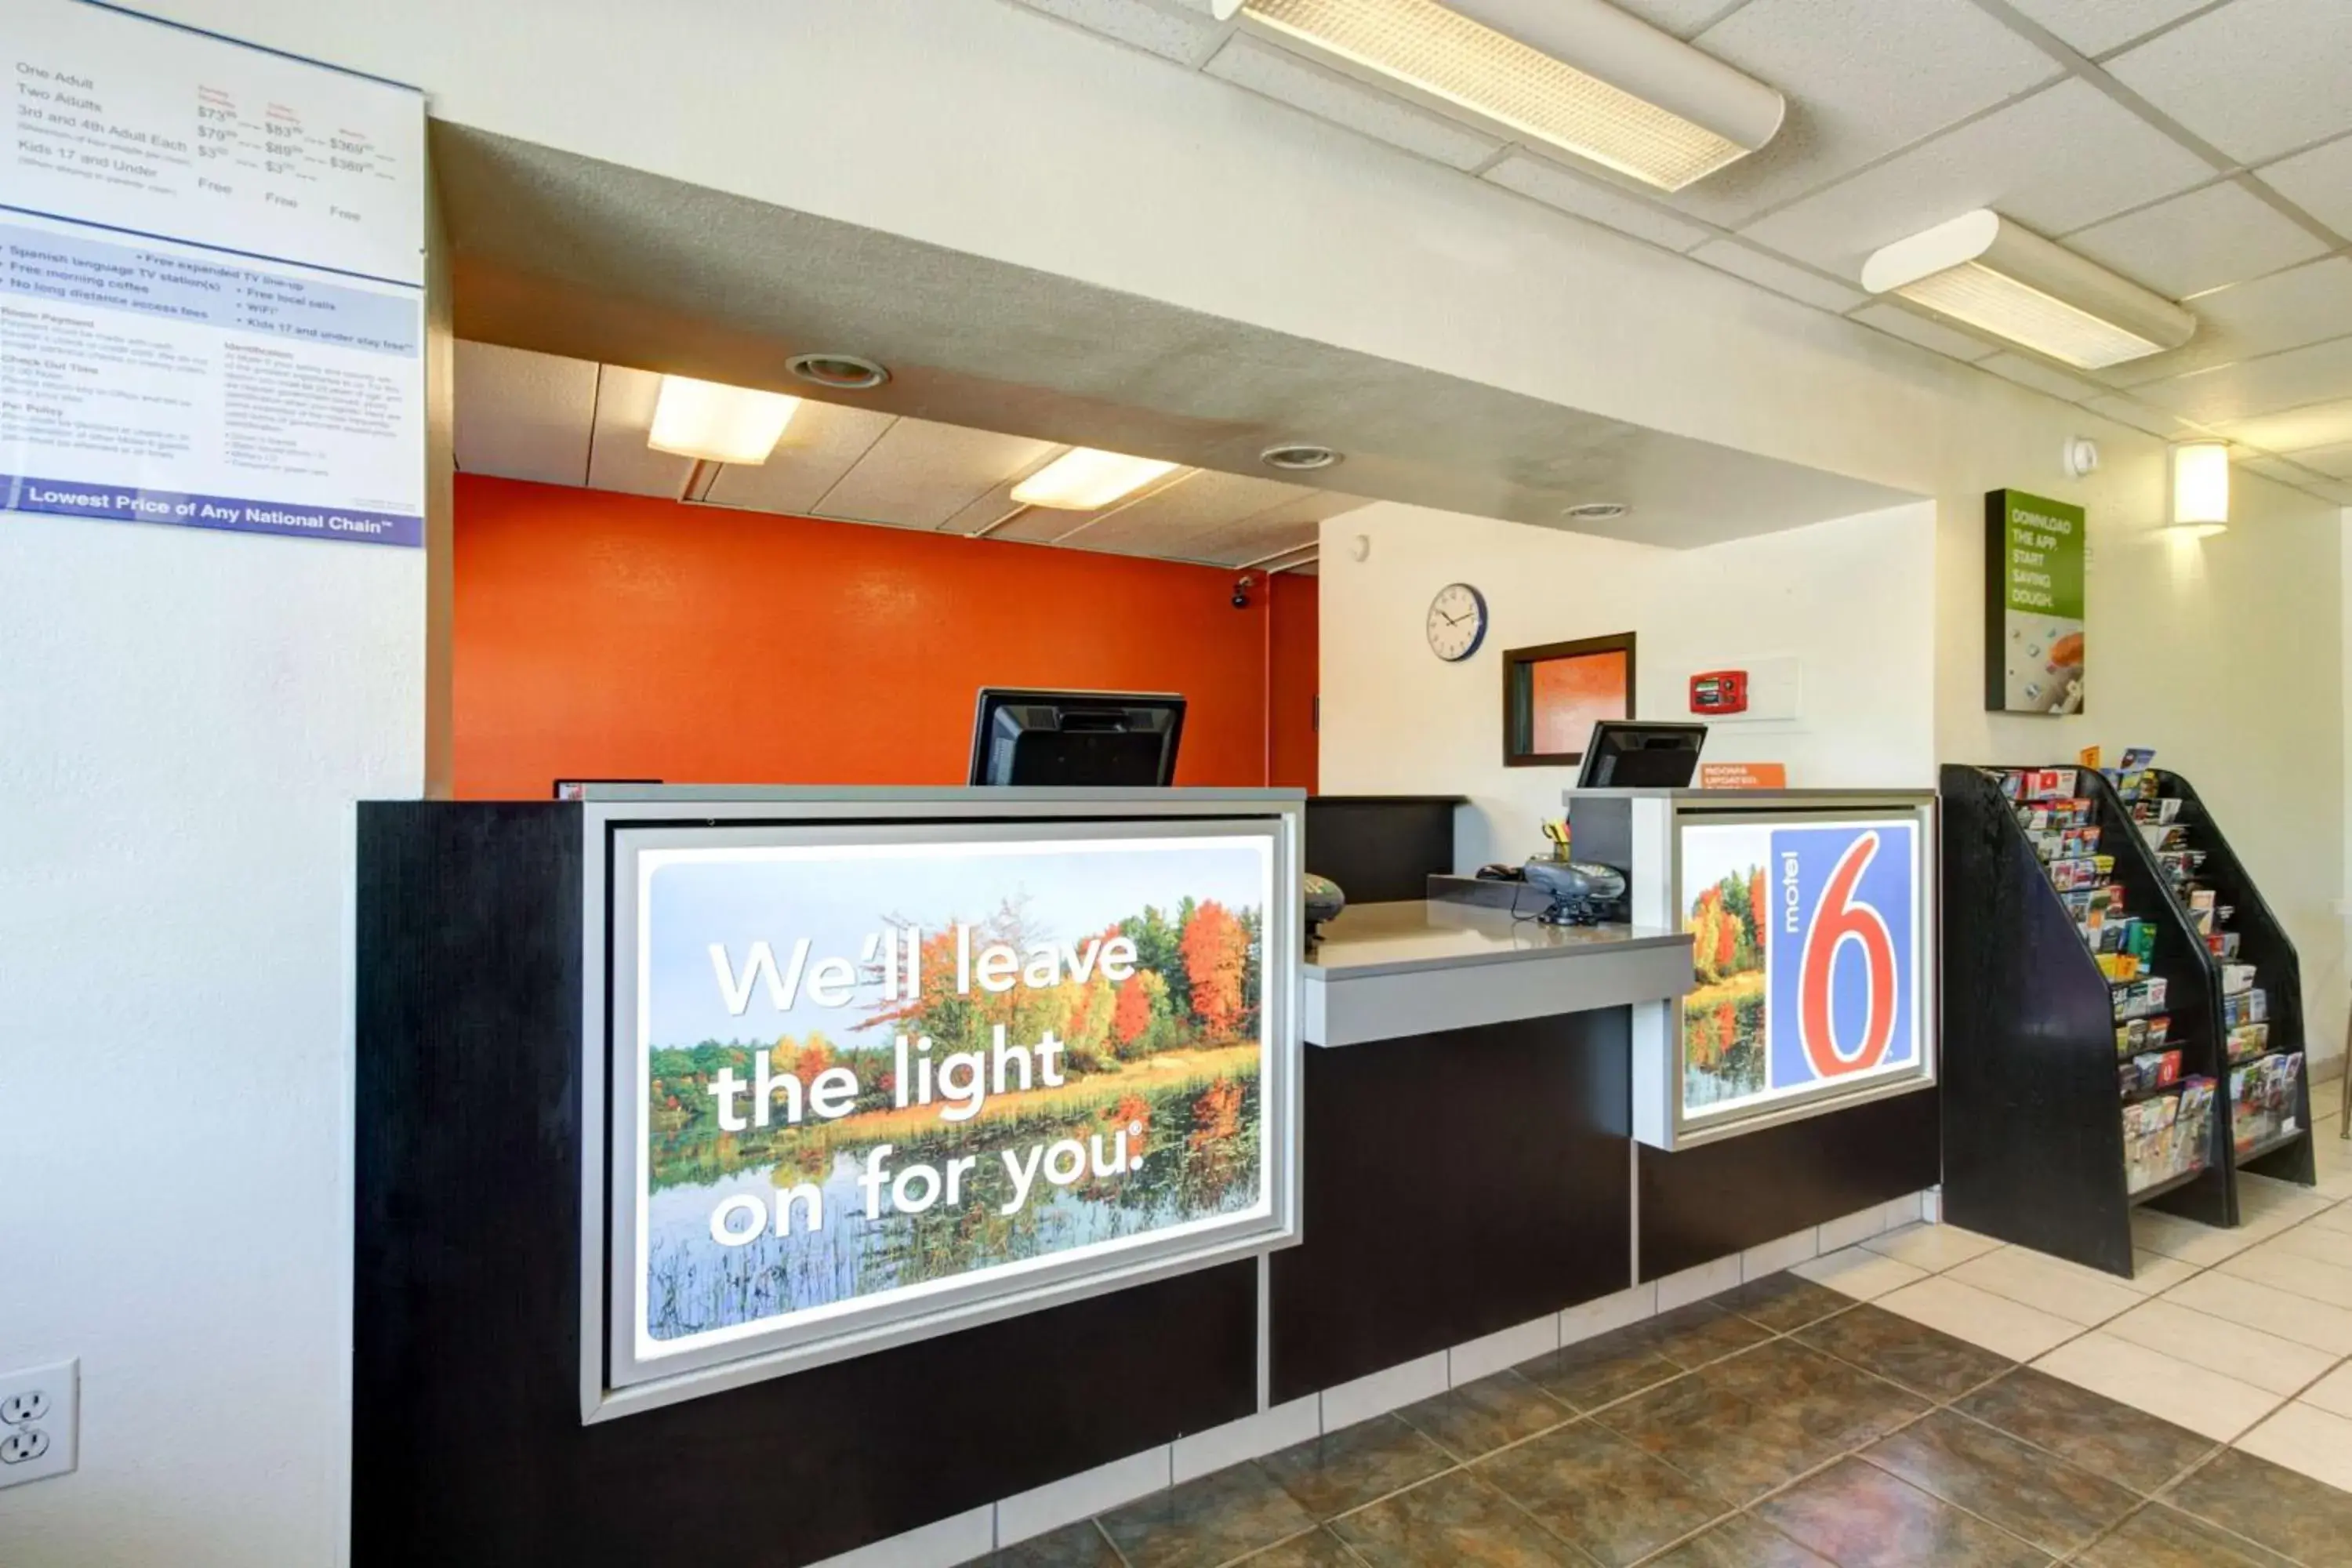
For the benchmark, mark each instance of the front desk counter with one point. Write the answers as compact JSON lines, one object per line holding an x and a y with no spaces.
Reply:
{"x":1465,"y":1146}
{"x":1465,"y":1161}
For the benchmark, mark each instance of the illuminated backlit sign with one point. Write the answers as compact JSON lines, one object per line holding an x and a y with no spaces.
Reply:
{"x":1810,"y":952}
{"x":871,"y":1083}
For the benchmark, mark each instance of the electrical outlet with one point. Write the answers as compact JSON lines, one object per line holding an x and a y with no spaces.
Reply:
{"x":23,"y":1409}
{"x":40,"y":1418}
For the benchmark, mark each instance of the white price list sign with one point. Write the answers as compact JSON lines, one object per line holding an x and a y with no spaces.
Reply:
{"x":211,"y":284}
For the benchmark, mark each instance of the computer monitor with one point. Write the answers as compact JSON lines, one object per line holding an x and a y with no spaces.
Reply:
{"x":1626,"y":755}
{"x":1075,"y":738}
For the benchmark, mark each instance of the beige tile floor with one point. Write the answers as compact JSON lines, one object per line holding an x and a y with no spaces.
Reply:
{"x":2243,"y":1335}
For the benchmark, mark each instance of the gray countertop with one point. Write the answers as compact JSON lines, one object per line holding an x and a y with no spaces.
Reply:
{"x":1392,"y":972}
{"x":1433,"y":934}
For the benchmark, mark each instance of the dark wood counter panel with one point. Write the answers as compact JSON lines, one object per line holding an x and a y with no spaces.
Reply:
{"x":1456,"y":1185}
{"x":468,"y":1446}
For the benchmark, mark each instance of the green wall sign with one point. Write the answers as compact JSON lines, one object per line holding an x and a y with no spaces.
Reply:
{"x":2033,"y":604}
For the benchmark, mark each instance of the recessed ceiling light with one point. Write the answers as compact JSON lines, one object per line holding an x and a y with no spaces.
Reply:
{"x":1082,"y":480}
{"x":1983,"y":270}
{"x":1298,"y":457}
{"x":842,"y":372}
{"x":718,"y":424}
{"x":1596,"y":511}
{"x":1577,"y":76}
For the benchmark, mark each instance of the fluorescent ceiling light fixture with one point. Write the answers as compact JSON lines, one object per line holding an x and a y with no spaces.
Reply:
{"x":718,"y":424}
{"x":1082,"y":480}
{"x":1577,"y":76}
{"x":1985,"y":270}
{"x":2201,"y":487}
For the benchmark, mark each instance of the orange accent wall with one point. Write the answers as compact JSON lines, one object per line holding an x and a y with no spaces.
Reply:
{"x":1294,"y":663}
{"x":602,"y":635}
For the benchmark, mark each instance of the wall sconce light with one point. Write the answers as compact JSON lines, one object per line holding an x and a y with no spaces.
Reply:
{"x":2200,"y":488}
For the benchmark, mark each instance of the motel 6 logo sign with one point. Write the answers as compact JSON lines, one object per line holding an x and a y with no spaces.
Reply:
{"x":1841,"y":955}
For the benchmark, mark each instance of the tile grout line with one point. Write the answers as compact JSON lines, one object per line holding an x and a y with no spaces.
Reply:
{"x":2231,"y":1443}
{"x":2173,"y":1486}
{"x":1576,"y":1414}
{"x":1104,"y":1531}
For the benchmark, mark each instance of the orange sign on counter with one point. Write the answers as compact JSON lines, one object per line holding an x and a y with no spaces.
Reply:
{"x":1743,"y":775}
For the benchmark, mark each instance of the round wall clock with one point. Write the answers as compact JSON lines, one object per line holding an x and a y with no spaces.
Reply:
{"x":1457,"y":622}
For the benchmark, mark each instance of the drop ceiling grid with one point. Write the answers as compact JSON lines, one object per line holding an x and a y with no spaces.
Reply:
{"x":2142,"y":131}
{"x":554,"y":409}
{"x":528,"y":416}
{"x":1221,"y":519}
{"x":618,"y":457}
{"x":919,"y":475}
{"x":824,"y":442}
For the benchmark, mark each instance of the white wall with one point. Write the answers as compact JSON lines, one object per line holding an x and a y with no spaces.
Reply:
{"x":185,"y":720}
{"x":2227,"y":655}
{"x":1852,"y":600}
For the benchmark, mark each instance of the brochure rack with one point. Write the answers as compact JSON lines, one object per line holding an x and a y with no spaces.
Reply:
{"x":2035,"y":1105}
{"x":2267,"y":1126}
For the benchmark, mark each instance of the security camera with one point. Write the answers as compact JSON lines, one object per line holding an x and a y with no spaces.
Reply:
{"x":1241,"y":585}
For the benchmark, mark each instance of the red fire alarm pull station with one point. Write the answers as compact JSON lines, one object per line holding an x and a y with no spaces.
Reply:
{"x":1719,"y":691}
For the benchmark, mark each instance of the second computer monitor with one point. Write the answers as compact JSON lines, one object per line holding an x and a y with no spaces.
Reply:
{"x":1625,"y":756}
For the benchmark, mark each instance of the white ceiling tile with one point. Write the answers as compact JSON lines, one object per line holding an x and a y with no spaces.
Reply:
{"x":1760,"y":267}
{"x":2032,"y":372}
{"x":1174,"y":522}
{"x":1327,"y":95}
{"x":2297,"y":430}
{"x":824,"y":441}
{"x":2223,"y":233}
{"x":2284,"y":472}
{"x":1241,"y":543}
{"x":2094,"y":27}
{"x":995,"y":509}
{"x":1285,"y":527}
{"x":1206,"y":499}
{"x":2140,"y":416}
{"x":1037,"y":525}
{"x":2319,"y":181}
{"x":618,"y":457}
{"x":2113,"y":160}
{"x":1586,"y":197}
{"x":1051,"y":525}
{"x":2254,"y":77}
{"x":1681,"y":18}
{"x":1863,"y":78}
{"x":524,"y":415}
{"x":2302,"y":305}
{"x":2279,"y":470}
{"x":2333,"y":461}
{"x":1911,"y":327}
{"x":2314,"y":374}
{"x":919,"y":474}
{"x":1178,"y":33}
